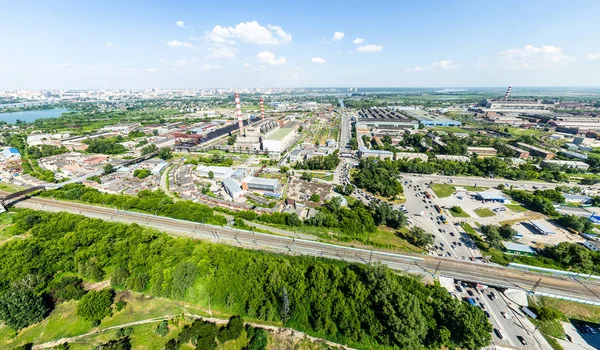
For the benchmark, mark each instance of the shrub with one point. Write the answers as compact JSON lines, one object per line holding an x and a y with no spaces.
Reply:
{"x":95,"y":305}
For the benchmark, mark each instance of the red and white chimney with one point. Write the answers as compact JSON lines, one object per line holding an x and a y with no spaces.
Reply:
{"x":262,"y":108}
{"x":507,"y":93}
{"x":238,"y":113}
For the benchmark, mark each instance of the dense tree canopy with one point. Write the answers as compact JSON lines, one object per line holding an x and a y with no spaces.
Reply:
{"x":20,"y":307}
{"x":344,"y":302}
{"x":378,"y":177}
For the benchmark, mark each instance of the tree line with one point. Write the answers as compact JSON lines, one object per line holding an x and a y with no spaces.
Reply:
{"x":359,"y":305}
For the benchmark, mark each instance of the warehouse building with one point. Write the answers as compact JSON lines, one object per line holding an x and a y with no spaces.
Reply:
{"x":482,"y":151}
{"x":232,"y":188}
{"x":260,"y":184}
{"x":219,"y":172}
{"x":384,"y":117}
{"x":280,"y":140}
{"x":518,"y":249}
{"x":540,"y":227}
{"x":572,"y":164}
{"x":575,"y":155}
{"x":536,"y":151}
{"x":10,"y":152}
{"x":365,"y":153}
{"x":521,"y":153}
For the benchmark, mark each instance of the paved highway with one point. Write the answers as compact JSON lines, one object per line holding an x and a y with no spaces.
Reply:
{"x":458,"y":269}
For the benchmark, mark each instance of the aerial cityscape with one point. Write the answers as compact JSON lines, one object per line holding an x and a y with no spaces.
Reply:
{"x":300,"y":176}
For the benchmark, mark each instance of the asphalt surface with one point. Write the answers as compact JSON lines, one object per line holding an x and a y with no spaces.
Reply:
{"x":427,"y":265}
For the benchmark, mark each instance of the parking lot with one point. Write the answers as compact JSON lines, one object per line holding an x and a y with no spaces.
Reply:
{"x":533,"y":238}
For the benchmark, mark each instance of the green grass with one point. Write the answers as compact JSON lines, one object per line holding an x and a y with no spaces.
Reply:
{"x":473,"y":188}
{"x":10,"y":187}
{"x":551,"y":330}
{"x":461,"y":214}
{"x":468,"y":229}
{"x":484,"y":212}
{"x":442,"y":190}
{"x":573,"y":310}
{"x":517,"y":208}
{"x":385,"y":238}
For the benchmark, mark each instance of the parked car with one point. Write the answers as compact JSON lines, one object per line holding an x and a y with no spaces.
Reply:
{"x":522,"y":340}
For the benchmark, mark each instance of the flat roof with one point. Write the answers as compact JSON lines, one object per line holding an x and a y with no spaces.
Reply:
{"x":215,"y":168}
{"x":279,"y":134}
{"x":540,"y":226}
{"x":491,"y":196}
{"x":382,"y":114}
{"x":262,"y":181}
{"x":518,"y":247}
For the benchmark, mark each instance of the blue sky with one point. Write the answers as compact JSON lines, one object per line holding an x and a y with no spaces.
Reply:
{"x":185,"y":44}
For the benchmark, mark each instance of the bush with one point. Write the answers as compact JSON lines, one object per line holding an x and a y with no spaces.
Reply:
{"x":162,"y":328}
{"x":306,"y":176}
{"x":120,"y":305}
{"x":232,"y":331}
{"x":118,"y":344}
{"x":315,"y":198}
{"x":95,"y":305}
{"x":258,"y":339}
{"x":68,"y":288}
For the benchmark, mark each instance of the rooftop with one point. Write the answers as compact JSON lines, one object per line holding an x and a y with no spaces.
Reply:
{"x":518,"y":247}
{"x":280,"y":134}
{"x":262,"y":181}
{"x":540,"y":226}
{"x":382,"y":114}
{"x":490,"y":196}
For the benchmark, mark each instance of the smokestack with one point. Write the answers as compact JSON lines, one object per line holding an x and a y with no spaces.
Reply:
{"x":507,"y":93}
{"x":238,"y":112}
{"x":262,"y":109}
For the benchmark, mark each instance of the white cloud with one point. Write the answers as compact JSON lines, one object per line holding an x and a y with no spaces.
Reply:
{"x":338,"y":36}
{"x":207,"y":67}
{"x":152,"y":70}
{"x":592,"y":56}
{"x":181,"y":63}
{"x":266,"y":57}
{"x":443,"y":64}
{"x":195,"y":38}
{"x":180,"y":24}
{"x":358,"y":41}
{"x":246,"y":65}
{"x":369,"y":48}
{"x":317,"y":60}
{"x":177,"y":43}
{"x":221,"y":51}
{"x":249,"y":32}
{"x":531,"y":57}
{"x":108,"y":44}
{"x":162,"y":60}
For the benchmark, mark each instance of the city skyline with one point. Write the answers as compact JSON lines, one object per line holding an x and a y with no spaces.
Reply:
{"x":239,"y":44}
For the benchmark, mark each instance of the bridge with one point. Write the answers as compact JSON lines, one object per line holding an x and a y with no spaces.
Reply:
{"x":15,"y":197}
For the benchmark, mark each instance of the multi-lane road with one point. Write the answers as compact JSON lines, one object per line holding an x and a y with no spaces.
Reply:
{"x":421,"y":264}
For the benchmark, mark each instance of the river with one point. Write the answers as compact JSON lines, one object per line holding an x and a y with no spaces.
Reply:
{"x":29,"y":116}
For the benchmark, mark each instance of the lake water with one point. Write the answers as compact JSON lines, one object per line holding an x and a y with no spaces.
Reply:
{"x":29,"y":116}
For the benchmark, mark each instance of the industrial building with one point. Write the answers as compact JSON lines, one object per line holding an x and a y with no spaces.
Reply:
{"x":536,"y":151}
{"x":11,"y":153}
{"x":280,"y":140}
{"x":521,"y":153}
{"x":426,"y":118}
{"x":219,"y":172}
{"x":384,"y":117}
{"x":492,"y":197}
{"x":540,"y":227}
{"x":260,"y":184}
{"x":518,"y":249}
{"x":482,"y":151}
{"x":573,"y":164}
{"x":575,"y":155}
{"x":463,"y":159}
{"x":232,"y":188}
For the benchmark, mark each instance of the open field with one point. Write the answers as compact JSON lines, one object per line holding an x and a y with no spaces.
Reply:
{"x":457,"y":214}
{"x":517,"y":208}
{"x":442,"y":190}
{"x":484,"y":212}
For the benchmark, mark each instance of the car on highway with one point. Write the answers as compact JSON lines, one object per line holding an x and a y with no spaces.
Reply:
{"x":505,"y":315}
{"x":499,"y":333}
{"x":470,"y":292}
{"x":452,"y":234}
{"x":487,"y":314}
{"x":522,"y":340}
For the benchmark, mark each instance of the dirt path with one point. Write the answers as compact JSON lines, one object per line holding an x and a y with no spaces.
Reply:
{"x":286,"y":332}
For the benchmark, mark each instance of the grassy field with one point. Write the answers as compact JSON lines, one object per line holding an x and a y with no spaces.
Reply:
{"x":468,"y":229}
{"x":461,"y":214}
{"x":473,"y":188}
{"x":484,"y":212}
{"x":386,"y":238}
{"x":517,"y":208}
{"x":573,"y":310}
{"x":10,"y":187}
{"x":442,"y":190}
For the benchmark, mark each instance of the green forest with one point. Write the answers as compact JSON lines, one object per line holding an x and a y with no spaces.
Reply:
{"x":360,"y":305}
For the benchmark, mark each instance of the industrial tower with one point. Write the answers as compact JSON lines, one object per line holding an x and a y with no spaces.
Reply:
{"x":507,"y":93}
{"x":238,"y":113}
